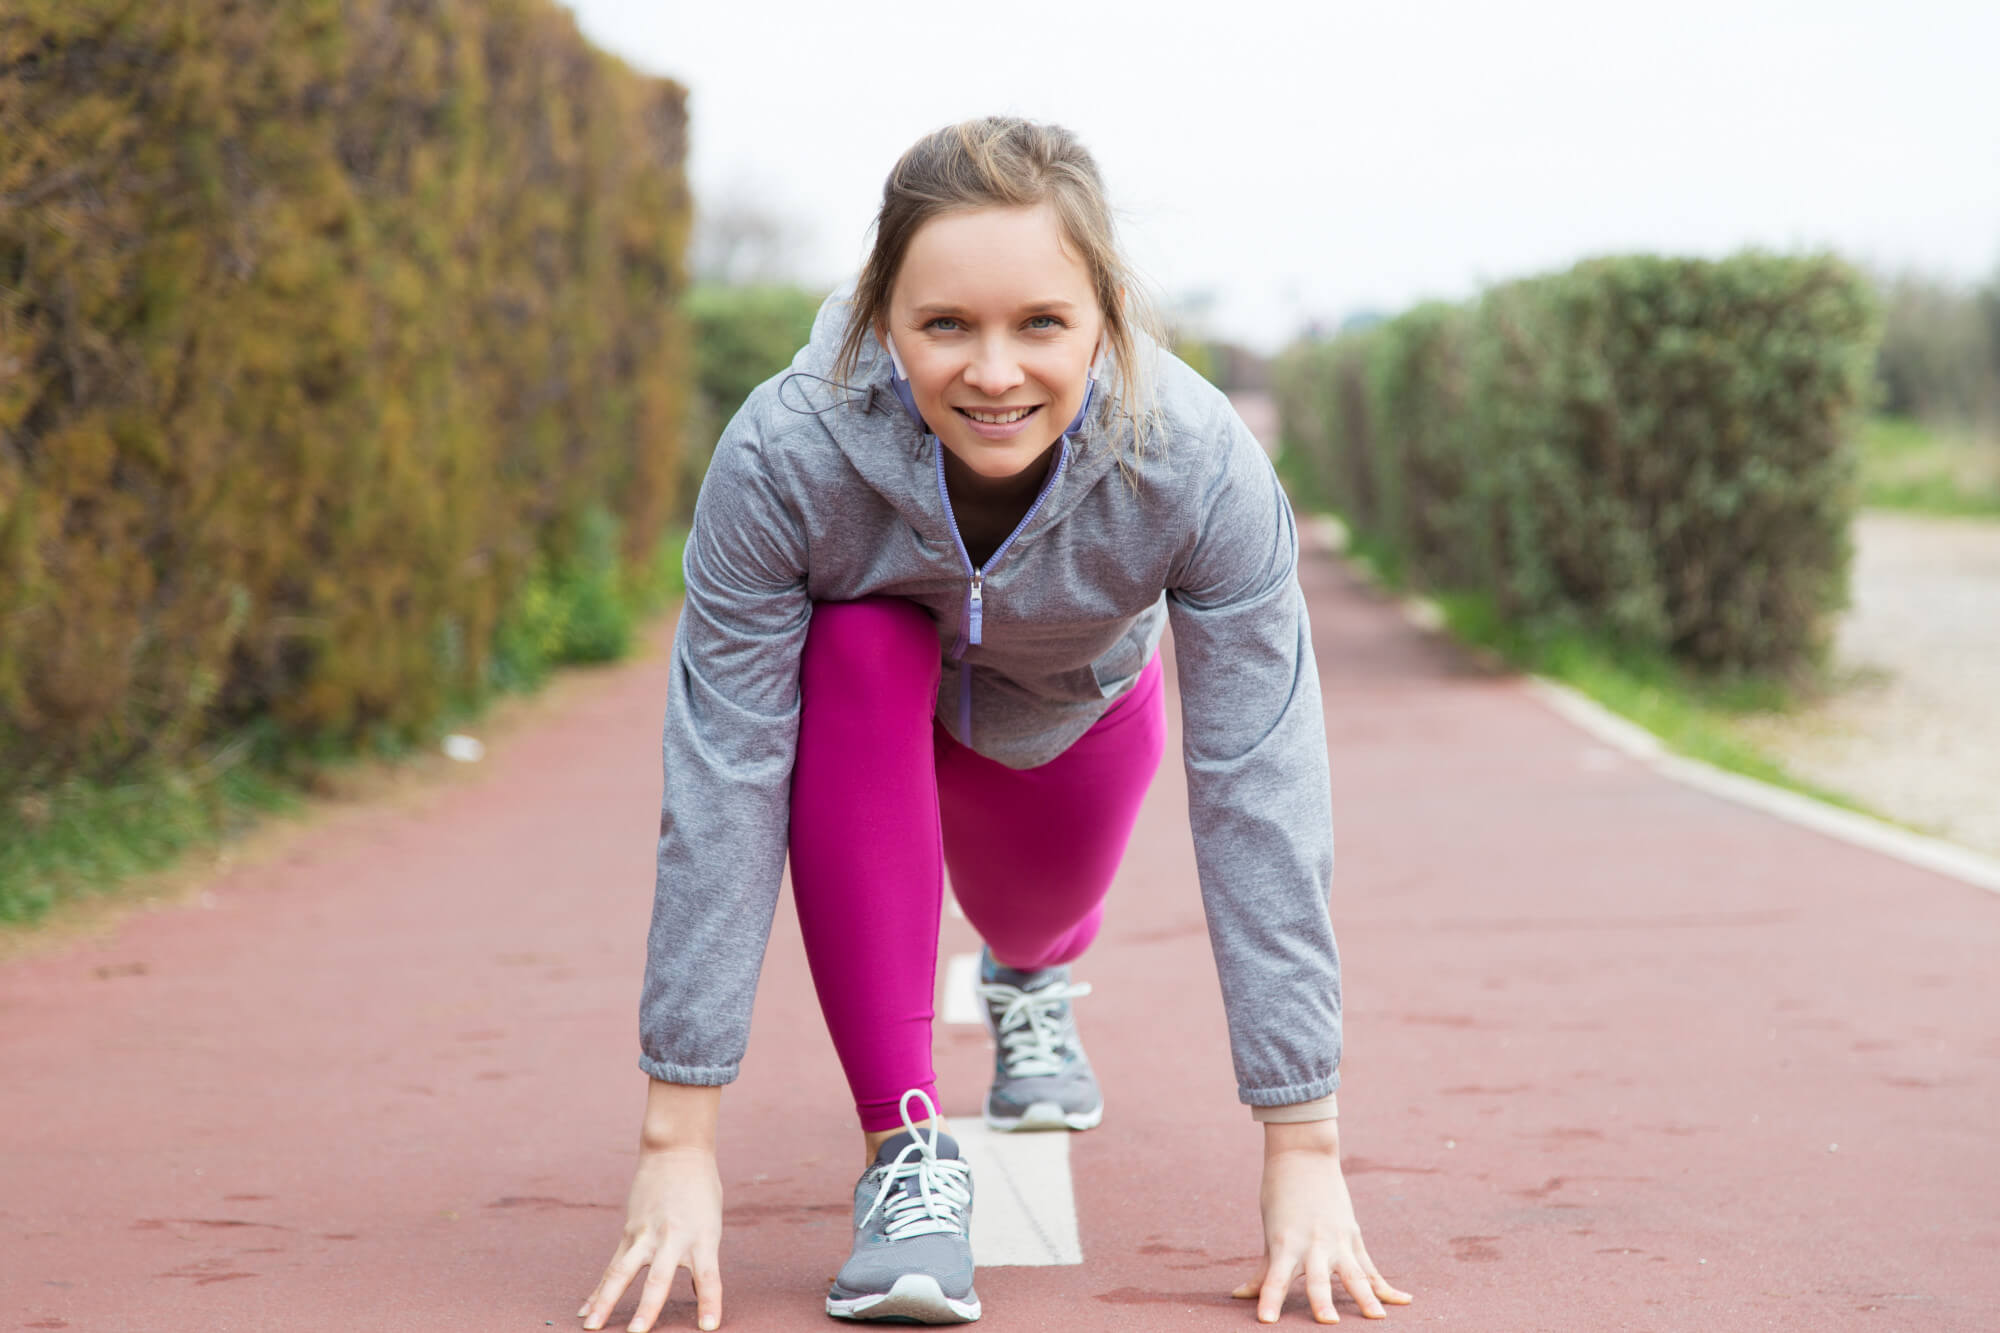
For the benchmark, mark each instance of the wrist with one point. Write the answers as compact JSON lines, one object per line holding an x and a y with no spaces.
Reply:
{"x":1311,"y":1136}
{"x":680,"y":1118}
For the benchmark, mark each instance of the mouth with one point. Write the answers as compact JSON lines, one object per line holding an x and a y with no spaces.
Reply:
{"x":1006,"y":416}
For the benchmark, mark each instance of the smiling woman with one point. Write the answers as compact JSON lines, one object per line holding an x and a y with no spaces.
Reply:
{"x":971,"y":503}
{"x":970,"y":216}
{"x":994,"y":377}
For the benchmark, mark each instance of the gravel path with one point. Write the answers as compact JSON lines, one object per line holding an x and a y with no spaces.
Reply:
{"x":1914,"y":729}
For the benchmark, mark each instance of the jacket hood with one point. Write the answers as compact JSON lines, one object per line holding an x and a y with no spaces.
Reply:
{"x":885,"y":442}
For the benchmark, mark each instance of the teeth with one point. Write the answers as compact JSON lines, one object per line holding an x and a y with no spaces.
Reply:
{"x":998,"y":418}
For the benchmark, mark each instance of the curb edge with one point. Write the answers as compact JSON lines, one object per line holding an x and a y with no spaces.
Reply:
{"x":1629,"y":738}
{"x":1933,"y":854}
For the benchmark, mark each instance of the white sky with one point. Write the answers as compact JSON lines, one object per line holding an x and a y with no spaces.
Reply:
{"x":1294,"y":160}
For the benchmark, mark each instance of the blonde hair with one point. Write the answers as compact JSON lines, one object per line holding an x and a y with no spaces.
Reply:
{"x":1007,"y":162}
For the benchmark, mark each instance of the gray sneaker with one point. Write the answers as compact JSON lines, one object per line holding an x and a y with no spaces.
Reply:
{"x":1041,"y":1077}
{"x":912,"y":1260}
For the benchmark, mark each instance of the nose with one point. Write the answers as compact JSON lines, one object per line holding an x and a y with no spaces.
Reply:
{"x":993,"y":369}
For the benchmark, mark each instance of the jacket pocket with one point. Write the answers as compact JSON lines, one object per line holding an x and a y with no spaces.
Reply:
{"x":1120,"y":666}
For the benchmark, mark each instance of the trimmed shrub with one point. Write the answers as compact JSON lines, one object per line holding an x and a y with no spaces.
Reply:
{"x":1428,"y":488}
{"x":1940,"y":355}
{"x":1321,"y":391}
{"x":1659,"y":450}
{"x":323,"y":327}
{"x":743,"y":335}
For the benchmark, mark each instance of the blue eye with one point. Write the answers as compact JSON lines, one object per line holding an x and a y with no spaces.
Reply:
{"x":941,"y":320}
{"x":1051,"y":322}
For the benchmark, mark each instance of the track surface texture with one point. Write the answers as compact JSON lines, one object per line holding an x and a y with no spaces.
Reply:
{"x":1620,"y":1055}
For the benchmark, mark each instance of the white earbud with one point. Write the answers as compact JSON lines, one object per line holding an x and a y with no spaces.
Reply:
{"x":894,"y":359}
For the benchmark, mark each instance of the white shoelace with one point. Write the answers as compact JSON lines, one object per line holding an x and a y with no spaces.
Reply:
{"x":944,"y":1184}
{"x":1029,"y":1027}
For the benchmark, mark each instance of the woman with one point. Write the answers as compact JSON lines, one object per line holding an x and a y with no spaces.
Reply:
{"x":929,"y":571}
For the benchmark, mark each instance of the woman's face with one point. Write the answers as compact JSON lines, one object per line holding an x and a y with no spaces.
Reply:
{"x":997,"y":322}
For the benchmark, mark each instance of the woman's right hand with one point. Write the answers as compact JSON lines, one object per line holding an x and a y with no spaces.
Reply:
{"x":673,"y":1220}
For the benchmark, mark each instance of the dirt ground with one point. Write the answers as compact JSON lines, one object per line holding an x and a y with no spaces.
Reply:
{"x":1913,"y":729}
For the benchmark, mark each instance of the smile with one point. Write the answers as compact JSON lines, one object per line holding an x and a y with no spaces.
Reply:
{"x":1006,"y":417}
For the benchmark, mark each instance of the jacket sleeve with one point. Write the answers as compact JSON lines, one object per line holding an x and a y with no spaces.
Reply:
{"x":1259,"y":799}
{"x":729,"y":740}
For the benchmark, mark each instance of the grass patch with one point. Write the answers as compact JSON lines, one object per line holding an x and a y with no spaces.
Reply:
{"x":1692,"y":715}
{"x":1953,"y":471}
{"x":86,"y":838}
{"x":83,"y":839}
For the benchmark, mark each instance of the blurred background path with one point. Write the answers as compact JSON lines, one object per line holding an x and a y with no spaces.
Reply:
{"x":1913,"y":727}
{"x":1620,"y":1056}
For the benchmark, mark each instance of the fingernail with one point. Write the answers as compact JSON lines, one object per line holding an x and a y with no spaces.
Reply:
{"x":708,"y":1323}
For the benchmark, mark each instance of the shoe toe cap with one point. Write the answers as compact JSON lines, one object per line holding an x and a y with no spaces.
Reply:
{"x":1074,"y":1090}
{"x":875,"y":1267}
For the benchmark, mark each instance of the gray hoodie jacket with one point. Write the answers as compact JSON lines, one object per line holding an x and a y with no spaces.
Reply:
{"x":824,"y":492}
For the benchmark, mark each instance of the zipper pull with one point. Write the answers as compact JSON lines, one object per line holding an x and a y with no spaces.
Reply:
{"x":972,"y":628}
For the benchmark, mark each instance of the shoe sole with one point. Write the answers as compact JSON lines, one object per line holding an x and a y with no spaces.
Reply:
{"x":1045,"y":1116}
{"x":915,"y":1299}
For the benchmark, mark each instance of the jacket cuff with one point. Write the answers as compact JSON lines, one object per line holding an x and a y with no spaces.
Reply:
{"x":700,"y":1076}
{"x":1320,"y":1108}
{"x":1310,"y":1091}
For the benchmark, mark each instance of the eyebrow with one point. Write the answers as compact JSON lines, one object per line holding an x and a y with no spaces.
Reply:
{"x":1033,"y":308}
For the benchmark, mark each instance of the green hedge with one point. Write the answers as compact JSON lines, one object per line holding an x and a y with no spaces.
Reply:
{"x":1657,"y":450}
{"x":743,"y":335}
{"x":329,"y":332}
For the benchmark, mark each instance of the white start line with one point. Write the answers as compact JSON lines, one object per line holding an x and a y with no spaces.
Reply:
{"x":1023,"y":1204}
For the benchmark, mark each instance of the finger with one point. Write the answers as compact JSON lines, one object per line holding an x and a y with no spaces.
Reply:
{"x":1319,"y":1291}
{"x":1271,"y":1297}
{"x":1376,"y":1282}
{"x":708,"y":1290}
{"x":653,"y":1296}
{"x":1380,"y":1286}
{"x":602,"y":1287}
{"x":1363,"y":1292}
{"x":1248,"y":1291}
{"x":598,"y":1290}
{"x":612,"y":1286}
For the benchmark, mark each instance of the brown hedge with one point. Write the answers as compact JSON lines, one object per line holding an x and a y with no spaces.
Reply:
{"x":319,"y":323}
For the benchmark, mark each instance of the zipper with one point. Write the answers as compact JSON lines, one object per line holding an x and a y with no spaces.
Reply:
{"x":971,"y":625}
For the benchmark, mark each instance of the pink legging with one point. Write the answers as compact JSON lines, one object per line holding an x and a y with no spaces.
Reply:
{"x":882,"y":798}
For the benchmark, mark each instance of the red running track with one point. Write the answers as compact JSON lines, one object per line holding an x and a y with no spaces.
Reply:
{"x":1620,"y":1056}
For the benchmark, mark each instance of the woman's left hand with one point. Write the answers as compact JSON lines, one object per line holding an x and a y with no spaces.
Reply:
{"x":1309,"y":1228}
